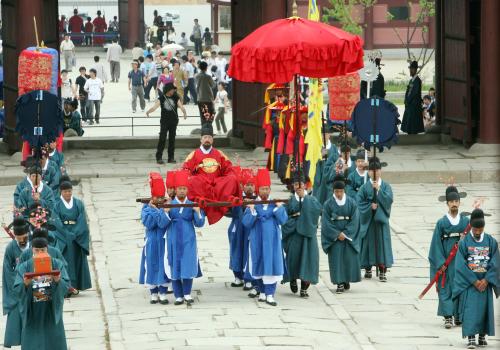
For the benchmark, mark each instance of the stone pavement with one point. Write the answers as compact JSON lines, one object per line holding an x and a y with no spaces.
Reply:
{"x":116,"y":313}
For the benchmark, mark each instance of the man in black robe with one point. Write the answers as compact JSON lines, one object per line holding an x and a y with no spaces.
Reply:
{"x":413,"y":119}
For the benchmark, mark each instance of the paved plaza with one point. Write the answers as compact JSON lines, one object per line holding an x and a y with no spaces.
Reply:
{"x":116,"y":313}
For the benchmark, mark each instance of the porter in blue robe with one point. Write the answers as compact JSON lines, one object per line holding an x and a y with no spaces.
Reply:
{"x":476,"y":260}
{"x":152,"y":271}
{"x":237,"y":235}
{"x":446,"y":235}
{"x":265,"y":261}
{"x":375,"y":232}
{"x":73,"y":240}
{"x":182,"y":264}
{"x":43,"y":326}
{"x":343,"y":256}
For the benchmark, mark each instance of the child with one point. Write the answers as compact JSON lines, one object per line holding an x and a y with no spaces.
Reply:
{"x":152,"y":273}
{"x":221,"y":103}
{"x":67,"y":88}
{"x":181,"y":263}
{"x":266,"y":253}
{"x":13,"y":251}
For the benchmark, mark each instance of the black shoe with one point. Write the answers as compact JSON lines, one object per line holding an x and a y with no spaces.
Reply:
{"x":471,"y":342}
{"x":253,"y":293}
{"x":293,"y":287}
{"x":236,"y":284}
{"x":179,"y":301}
{"x":271,"y":301}
{"x":482,"y":340}
{"x":368,"y":273}
{"x":303,"y":293}
{"x":169,"y":291}
{"x":247,"y":287}
{"x":91,"y":122}
{"x":189,"y":301}
{"x":347,"y":286}
{"x":448,"y":323}
{"x":164,"y":301}
{"x":172,"y":160}
{"x":97,"y":122}
{"x":160,"y":161}
{"x":382,"y":277}
{"x":457,"y":321}
{"x":340,"y":289}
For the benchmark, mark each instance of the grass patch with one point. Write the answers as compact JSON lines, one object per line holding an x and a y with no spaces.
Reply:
{"x":400,"y":85}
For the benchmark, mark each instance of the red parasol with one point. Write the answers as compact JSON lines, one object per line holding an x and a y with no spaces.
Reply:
{"x":280,"y":49}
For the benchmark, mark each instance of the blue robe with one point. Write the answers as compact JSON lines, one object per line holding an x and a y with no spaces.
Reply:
{"x":13,"y":326}
{"x":20,"y":186}
{"x":182,"y":251}
{"x":475,"y":261}
{"x":343,"y":256}
{"x":441,"y":245}
{"x":58,"y":159}
{"x":25,"y":199}
{"x":72,"y":236}
{"x":238,"y":239}
{"x":152,"y":271}
{"x":43,"y":326}
{"x":355,"y":182}
{"x":375,"y":232}
{"x":265,"y":249}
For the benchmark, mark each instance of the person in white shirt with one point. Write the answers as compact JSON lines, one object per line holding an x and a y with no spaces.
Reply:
{"x":113,"y":57}
{"x":101,"y":71}
{"x":183,"y":41}
{"x":220,"y":62}
{"x":191,"y":87}
{"x":95,"y":90}
{"x":67,"y":88}
{"x":137,"y":51}
{"x":67,"y":50}
{"x":221,"y":103}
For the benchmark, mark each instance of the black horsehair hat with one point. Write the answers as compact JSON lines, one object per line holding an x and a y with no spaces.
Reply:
{"x":339,"y":182}
{"x":451,"y":194}
{"x":20,"y":226}
{"x":477,"y":218}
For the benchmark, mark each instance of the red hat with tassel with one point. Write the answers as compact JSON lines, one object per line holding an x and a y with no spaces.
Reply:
{"x":181,"y":178}
{"x":263,"y":178}
{"x":156,"y":185}
{"x":170,"y":178}
{"x":247,"y":176}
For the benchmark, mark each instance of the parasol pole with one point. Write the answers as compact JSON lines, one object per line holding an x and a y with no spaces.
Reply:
{"x":36,"y":32}
{"x":374,"y":139}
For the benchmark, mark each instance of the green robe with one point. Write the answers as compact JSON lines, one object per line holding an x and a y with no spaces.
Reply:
{"x":58,"y":159}
{"x":43,"y":326}
{"x":439,"y":250}
{"x":354,"y":184}
{"x":13,"y":327}
{"x":322,"y":189}
{"x":26,"y":198}
{"x":299,"y":239}
{"x":21,"y":185}
{"x":51,"y":175}
{"x":343,"y":256}
{"x":375,"y":232}
{"x":72,"y":236}
{"x":475,"y":261}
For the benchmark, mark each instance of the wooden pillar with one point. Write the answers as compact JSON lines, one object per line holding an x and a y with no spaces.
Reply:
{"x":368,"y":29}
{"x":490,"y":72}
{"x":133,"y":23}
{"x":18,"y":34}
{"x":215,"y":22}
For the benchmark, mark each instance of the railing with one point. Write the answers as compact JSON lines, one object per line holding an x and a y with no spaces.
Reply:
{"x":133,"y":124}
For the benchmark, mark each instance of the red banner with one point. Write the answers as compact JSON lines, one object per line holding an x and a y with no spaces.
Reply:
{"x":34,"y":72}
{"x":344,"y":94}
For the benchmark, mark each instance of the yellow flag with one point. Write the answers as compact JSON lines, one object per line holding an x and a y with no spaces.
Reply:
{"x":313,"y":13}
{"x":313,"y":136}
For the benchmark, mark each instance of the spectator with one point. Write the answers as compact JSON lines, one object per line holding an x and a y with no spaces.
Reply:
{"x":183,"y":41}
{"x":75,"y":25}
{"x":149,"y":50}
{"x":113,"y":25}
{"x":137,"y":51}
{"x":204,"y":92}
{"x":171,"y":35}
{"x":113,"y":56}
{"x":95,"y":91}
{"x":164,"y":78}
{"x":89,"y":28}
{"x":100,"y":27}
{"x":191,"y":88}
{"x":207,"y":37}
{"x":136,"y":82}
{"x":72,"y":120}
{"x":101,"y":71}
{"x":429,"y":111}
{"x":158,"y":23}
{"x":169,"y":101}
{"x":63,"y":24}
{"x":149,"y":70}
{"x":213,"y":74}
{"x":221,"y":103}
{"x":180,"y":78}
{"x":158,"y":51}
{"x":67,"y":50}
{"x":228,"y":81}
{"x":82,"y":94}
{"x":220,"y":61}
{"x":67,"y":88}
{"x":196,"y":37}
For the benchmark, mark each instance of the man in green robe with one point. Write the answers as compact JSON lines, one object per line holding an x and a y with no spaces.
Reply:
{"x":57,"y":157}
{"x":25,"y":182}
{"x":53,"y":251}
{"x":374,"y":205}
{"x":50,"y":171}
{"x":321,"y":189}
{"x":13,"y":250}
{"x":358,"y":177}
{"x":477,"y":272}
{"x":41,"y":308}
{"x":299,"y":237}
{"x":446,"y":235}
{"x":340,"y":237}
{"x":73,"y":236}
{"x":37,"y":191}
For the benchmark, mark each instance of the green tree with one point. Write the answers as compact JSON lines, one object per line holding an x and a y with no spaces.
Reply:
{"x":341,"y":11}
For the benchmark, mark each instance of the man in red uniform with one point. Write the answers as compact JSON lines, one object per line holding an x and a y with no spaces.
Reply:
{"x":212,"y":176}
{"x":100,"y":26}
{"x":76,"y":27}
